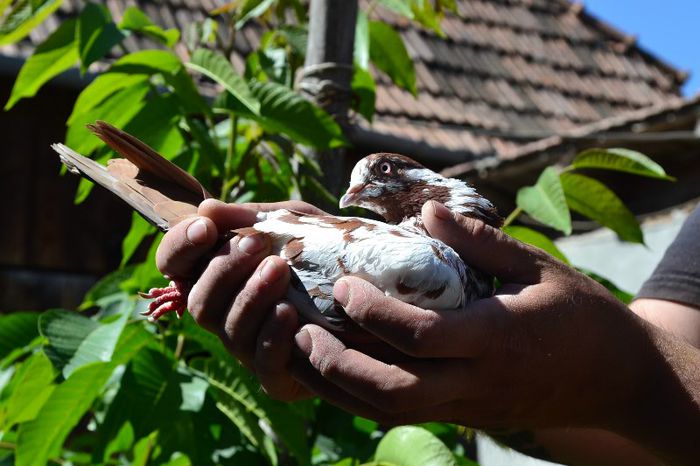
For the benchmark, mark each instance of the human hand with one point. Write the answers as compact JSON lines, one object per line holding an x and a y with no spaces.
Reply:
{"x":238,"y":288}
{"x":551,"y":348}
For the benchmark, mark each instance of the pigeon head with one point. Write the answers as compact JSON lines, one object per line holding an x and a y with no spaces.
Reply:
{"x":396,"y":187}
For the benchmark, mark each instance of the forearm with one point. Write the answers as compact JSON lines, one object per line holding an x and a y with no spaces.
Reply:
{"x":667,"y":420}
{"x":662,"y":422}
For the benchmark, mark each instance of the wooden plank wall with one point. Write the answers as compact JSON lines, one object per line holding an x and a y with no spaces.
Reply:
{"x":44,"y":235}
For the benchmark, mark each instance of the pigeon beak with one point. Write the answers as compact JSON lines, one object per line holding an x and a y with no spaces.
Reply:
{"x":351,"y":196}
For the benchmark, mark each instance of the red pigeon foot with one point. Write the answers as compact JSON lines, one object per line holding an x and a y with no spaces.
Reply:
{"x":172,"y":298}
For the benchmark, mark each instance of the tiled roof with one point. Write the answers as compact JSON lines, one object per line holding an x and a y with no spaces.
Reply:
{"x":514,"y":71}
{"x":509,"y":72}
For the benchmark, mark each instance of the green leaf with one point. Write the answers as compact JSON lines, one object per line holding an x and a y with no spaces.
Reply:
{"x":52,"y":57}
{"x":193,"y":392}
{"x":106,"y":287}
{"x":535,"y":238}
{"x":620,"y":294}
{"x":593,"y":199}
{"x":187,"y":93}
{"x":545,"y":201}
{"x":234,"y":388}
{"x":296,"y":36}
{"x":118,"y":109}
{"x":365,"y":89}
{"x":252,"y":9}
{"x":143,"y":449}
{"x":624,"y":160}
{"x":139,"y":230}
{"x":427,"y":15}
{"x":25,"y":16}
{"x":361,"y":50}
{"x":100,"y":88}
{"x":218,"y":68}
{"x":131,"y":342}
{"x":17,"y":330}
{"x":207,"y":146}
{"x":146,"y":275}
{"x":388,"y":53}
{"x":30,"y":388}
{"x":156,"y":125}
{"x":413,"y":446}
{"x":42,"y":437}
{"x":136,"y":20}
{"x":148,"y":62}
{"x":96,"y":34}
{"x":65,"y":331}
{"x":285,"y":111}
{"x":99,"y":345}
{"x":402,"y":7}
{"x":273,"y":61}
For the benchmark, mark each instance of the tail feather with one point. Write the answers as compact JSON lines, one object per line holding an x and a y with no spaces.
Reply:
{"x":145,"y":158}
{"x":159,"y":190}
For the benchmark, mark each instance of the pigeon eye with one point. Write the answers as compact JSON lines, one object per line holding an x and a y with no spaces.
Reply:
{"x":385,"y":168}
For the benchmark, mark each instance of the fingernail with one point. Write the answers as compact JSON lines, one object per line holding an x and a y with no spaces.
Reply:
{"x":269,"y":271}
{"x":341,"y":292}
{"x":303,"y":342}
{"x":441,"y":212}
{"x":251,"y":244}
{"x":197,"y":232}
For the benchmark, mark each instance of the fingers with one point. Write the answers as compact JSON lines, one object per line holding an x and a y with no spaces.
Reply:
{"x":183,"y":247}
{"x":227,"y":216}
{"x":273,"y":353}
{"x":391,"y":388}
{"x":484,"y":247}
{"x":210,"y":298}
{"x":420,"y":332}
{"x":263,"y":290}
{"x":299,"y":206}
{"x":232,"y":216}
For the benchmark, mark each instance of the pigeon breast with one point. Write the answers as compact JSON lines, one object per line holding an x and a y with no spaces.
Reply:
{"x":401,"y":260}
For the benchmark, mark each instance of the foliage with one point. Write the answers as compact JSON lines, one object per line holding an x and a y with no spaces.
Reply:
{"x":108,"y":387}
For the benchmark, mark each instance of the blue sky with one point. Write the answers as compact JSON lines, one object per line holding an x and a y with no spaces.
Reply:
{"x":669,"y":29}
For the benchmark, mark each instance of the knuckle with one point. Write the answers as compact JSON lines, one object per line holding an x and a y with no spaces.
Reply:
{"x":197,"y":308}
{"x":478,"y":230}
{"x":364,"y":304}
{"x":424,"y":331}
{"x":328,"y":366}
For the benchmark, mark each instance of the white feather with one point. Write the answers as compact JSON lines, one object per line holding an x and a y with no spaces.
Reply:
{"x":394,"y":258}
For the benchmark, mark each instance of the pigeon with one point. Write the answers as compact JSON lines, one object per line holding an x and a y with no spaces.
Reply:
{"x":396,"y":255}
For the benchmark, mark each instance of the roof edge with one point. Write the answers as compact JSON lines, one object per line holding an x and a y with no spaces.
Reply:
{"x":547,"y":145}
{"x":587,"y":17}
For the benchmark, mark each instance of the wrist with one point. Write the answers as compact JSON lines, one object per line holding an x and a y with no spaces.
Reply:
{"x":662,"y":409}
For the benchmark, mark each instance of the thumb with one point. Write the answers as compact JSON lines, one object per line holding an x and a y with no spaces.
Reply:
{"x":227,"y":216}
{"x":484,"y":247}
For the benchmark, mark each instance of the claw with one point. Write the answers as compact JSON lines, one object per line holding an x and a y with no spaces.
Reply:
{"x":172,"y":298}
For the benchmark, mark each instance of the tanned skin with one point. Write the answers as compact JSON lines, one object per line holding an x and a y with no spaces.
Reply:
{"x":552,"y":349}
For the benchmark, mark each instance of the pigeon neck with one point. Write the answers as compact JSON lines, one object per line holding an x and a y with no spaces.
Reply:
{"x":405,"y":205}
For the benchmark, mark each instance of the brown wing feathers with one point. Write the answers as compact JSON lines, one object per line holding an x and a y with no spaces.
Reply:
{"x":158,"y":189}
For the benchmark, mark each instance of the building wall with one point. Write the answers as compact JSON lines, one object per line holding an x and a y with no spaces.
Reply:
{"x":625,"y":264}
{"x":51,"y":250}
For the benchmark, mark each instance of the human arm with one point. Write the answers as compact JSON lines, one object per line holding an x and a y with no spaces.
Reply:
{"x":529,"y":376}
{"x":552,"y":349}
{"x":669,"y":299}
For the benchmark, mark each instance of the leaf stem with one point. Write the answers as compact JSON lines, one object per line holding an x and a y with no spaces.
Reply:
{"x":228,"y":183}
{"x":512,"y":216}
{"x":230,"y":151}
{"x":13,"y":447}
{"x":180,"y":345}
